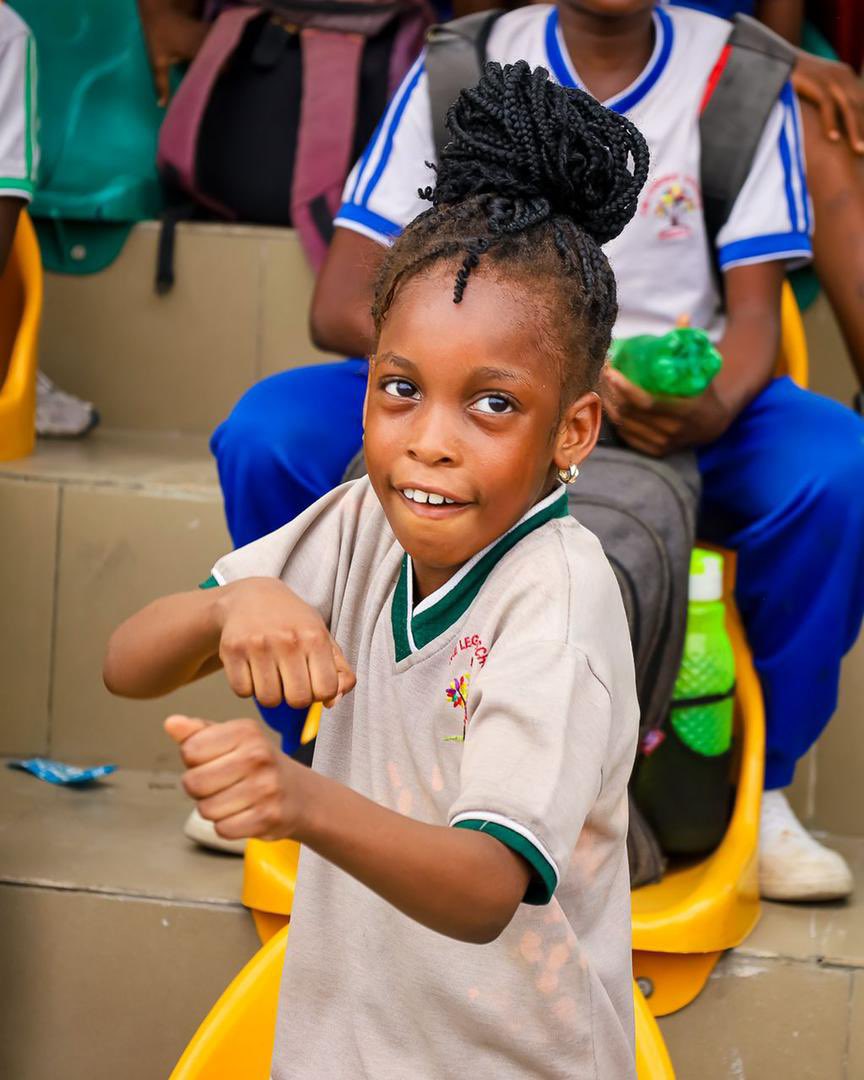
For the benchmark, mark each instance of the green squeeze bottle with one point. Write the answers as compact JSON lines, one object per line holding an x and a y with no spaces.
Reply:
{"x":681,"y":363}
{"x":683,"y":785}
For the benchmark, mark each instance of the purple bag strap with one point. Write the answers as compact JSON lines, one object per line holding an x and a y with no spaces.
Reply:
{"x":178,"y":138}
{"x":331,"y":79}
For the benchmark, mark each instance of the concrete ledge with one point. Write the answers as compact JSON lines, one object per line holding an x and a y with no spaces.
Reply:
{"x":179,"y":362}
{"x":118,"y":933}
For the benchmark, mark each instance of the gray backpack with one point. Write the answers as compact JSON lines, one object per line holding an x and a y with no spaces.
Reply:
{"x":643,"y":510}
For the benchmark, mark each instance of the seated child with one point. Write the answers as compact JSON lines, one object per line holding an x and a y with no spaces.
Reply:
{"x":476,"y":779}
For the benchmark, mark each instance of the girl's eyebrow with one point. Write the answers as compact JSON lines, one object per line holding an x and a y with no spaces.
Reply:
{"x":396,"y":360}
{"x":493,"y":373}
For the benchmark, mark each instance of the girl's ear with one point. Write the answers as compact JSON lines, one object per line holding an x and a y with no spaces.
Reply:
{"x":578,"y":431}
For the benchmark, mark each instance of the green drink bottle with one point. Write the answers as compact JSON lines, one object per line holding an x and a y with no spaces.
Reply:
{"x":681,"y":363}
{"x":683,"y":785}
{"x":702,"y":700}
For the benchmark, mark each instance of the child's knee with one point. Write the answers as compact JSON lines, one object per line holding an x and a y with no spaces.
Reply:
{"x":843,"y":470}
{"x":262,"y":429}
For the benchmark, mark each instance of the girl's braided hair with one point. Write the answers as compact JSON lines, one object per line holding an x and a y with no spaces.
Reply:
{"x":535,"y":178}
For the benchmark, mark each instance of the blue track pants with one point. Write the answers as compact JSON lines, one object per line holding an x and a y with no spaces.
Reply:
{"x":784,"y":487}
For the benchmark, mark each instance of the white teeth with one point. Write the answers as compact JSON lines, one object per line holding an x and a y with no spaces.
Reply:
{"x":418,"y":496}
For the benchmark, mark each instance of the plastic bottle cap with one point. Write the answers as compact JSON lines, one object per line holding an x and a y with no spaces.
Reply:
{"x":706,"y":575}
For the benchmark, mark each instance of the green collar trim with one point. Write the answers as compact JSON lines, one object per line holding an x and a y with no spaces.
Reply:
{"x":415,"y":627}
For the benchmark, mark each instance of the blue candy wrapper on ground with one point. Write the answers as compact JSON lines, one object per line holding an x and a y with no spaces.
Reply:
{"x":58,"y":772}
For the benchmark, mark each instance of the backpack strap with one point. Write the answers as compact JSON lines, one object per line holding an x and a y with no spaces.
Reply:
{"x":328,"y":108}
{"x":455,"y":58}
{"x":739,"y":96}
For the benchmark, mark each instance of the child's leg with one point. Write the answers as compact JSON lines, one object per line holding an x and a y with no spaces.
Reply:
{"x":836,"y":180}
{"x":783,"y":488}
{"x":286,"y":443}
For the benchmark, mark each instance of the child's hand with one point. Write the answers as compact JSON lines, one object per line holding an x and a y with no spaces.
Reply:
{"x":239,"y":779}
{"x":659,"y":426}
{"x":276,"y":647}
{"x":837,"y":93}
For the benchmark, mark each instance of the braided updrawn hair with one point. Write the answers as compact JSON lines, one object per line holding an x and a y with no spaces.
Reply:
{"x":535,"y":178}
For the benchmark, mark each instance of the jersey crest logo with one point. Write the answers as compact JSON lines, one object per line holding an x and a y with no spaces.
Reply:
{"x":457,"y":695}
{"x":673,"y":203}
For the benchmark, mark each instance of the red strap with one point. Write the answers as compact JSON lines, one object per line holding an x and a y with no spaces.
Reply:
{"x":714,"y":77}
{"x":178,"y":138}
{"x":331,"y":80}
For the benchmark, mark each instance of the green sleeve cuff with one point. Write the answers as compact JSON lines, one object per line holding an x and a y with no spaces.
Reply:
{"x":210,"y":583}
{"x":542,"y":886}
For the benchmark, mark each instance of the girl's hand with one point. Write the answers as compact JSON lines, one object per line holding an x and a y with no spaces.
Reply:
{"x":836,"y":92}
{"x":276,"y":647}
{"x":239,"y":779}
{"x":659,"y":426}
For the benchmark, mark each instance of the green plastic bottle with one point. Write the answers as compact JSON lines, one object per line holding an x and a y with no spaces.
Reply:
{"x":683,"y":784}
{"x":707,"y":675}
{"x":681,"y":363}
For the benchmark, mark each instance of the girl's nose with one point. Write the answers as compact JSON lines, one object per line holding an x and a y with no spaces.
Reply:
{"x":431,"y":440}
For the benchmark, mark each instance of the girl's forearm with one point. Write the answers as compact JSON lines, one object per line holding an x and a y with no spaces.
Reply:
{"x":169,"y":643}
{"x":458,"y":882}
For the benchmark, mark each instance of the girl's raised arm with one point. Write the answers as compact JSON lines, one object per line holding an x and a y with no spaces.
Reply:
{"x":271,"y":644}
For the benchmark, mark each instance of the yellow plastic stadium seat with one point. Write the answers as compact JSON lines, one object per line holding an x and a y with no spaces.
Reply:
{"x":236,"y":1038}
{"x":20,"y":315}
{"x":270,"y":867}
{"x":682,"y":925}
{"x":235,"y":1041}
{"x":792,"y":360}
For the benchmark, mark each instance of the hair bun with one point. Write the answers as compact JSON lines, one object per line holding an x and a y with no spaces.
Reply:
{"x":540,"y":150}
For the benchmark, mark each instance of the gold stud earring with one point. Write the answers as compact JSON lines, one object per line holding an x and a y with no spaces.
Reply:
{"x":568,"y":475}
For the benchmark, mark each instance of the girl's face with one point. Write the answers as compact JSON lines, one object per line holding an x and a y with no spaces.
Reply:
{"x":463,"y":426}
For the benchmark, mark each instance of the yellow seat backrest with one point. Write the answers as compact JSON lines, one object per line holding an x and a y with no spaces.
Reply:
{"x":792,"y":359}
{"x":20,"y":315}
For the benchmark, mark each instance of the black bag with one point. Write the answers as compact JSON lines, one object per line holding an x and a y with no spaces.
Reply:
{"x":280,"y":101}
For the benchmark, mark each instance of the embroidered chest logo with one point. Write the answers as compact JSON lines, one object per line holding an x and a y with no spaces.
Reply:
{"x":457,"y":690}
{"x":457,"y":695}
{"x":672,"y":203}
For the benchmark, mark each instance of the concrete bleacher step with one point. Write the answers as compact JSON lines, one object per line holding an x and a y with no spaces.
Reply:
{"x":118,"y":932}
{"x":92,"y":531}
{"x":119,"y":935}
{"x":787,"y":1003}
{"x":178,"y":362}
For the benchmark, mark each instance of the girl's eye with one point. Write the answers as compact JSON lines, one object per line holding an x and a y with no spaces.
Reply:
{"x":401,"y":388}
{"x":493,"y":403}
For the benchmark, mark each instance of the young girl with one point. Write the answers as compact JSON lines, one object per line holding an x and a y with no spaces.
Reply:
{"x":472,"y":790}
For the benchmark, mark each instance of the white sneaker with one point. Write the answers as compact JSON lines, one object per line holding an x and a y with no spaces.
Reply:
{"x":60,"y":415}
{"x":203,"y":832}
{"x":793,"y":865}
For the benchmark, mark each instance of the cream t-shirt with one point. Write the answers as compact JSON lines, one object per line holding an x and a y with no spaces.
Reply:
{"x":504,"y":702}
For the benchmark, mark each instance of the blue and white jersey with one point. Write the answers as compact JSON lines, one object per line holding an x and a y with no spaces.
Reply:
{"x":661,"y":260}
